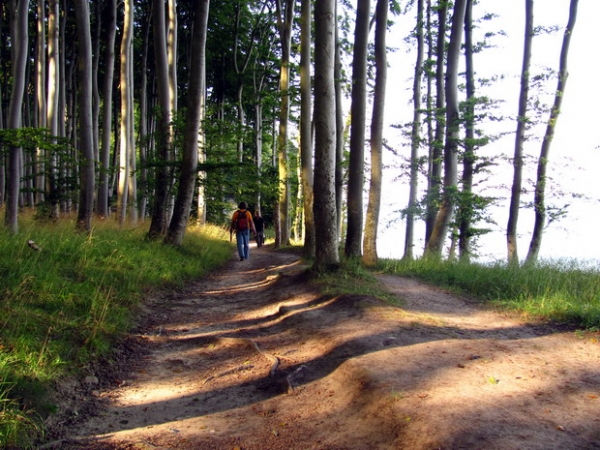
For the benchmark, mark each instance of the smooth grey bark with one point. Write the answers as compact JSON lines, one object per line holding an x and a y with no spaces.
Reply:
{"x":109,"y":69}
{"x":306,"y":147}
{"x":444,"y":216}
{"x":370,"y":257}
{"x":19,"y":53}
{"x":358,"y":112}
{"x":189,"y":164}
{"x":415,"y":139}
{"x":339,"y":122}
{"x":84,"y":104}
{"x":41,"y":100}
{"x":434,"y":180}
{"x":465,"y":208}
{"x":522,"y":125}
{"x":540,"y":184}
{"x":158,"y":225}
{"x":326,"y":240}
{"x":53,"y":103}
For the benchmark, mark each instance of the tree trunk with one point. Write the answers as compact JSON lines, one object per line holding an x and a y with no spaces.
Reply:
{"x":358,"y":111}
{"x":440,"y":229}
{"x":158,"y":226}
{"x":284,"y":20}
{"x":20,"y":46}
{"x":540,"y":184}
{"x":41,"y":100}
{"x":109,"y":68}
{"x":465,"y":207}
{"x":370,"y":257}
{"x":54,"y":117}
{"x":84,"y":97}
{"x":306,"y":149}
{"x":435,"y":150}
{"x":189,"y":169}
{"x":415,"y":140}
{"x":326,"y":250}
{"x":522,"y":126}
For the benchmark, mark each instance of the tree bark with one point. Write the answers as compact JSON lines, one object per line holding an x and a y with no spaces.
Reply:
{"x":440,"y":229}
{"x":540,"y":184}
{"x":415,"y":140}
{"x":522,"y":125}
{"x":370,"y":257}
{"x":84,"y":97}
{"x":356,"y":170}
{"x":189,"y":169}
{"x":326,"y":250}
{"x":306,"y":149}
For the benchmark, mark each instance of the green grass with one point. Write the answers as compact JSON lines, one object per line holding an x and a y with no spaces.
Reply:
{"x":559,"y":291}
{"x":66,"y":305}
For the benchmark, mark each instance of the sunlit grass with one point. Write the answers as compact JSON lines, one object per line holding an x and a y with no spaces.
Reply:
{"x":556,"y":290}
{"x":65,"y":305}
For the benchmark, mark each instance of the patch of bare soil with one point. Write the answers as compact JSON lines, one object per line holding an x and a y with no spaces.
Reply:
{"x":253,"y":357}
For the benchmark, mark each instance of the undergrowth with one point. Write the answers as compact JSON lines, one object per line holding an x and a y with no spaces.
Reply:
{"x":66,"y":304}
{"x":559,"y":291}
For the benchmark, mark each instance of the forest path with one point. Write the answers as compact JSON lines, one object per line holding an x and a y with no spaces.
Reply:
{"x":254,"y":357}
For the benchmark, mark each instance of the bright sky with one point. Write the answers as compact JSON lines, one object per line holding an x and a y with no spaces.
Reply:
{"x":576,"y":133}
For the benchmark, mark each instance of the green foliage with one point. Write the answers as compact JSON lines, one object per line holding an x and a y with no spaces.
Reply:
{"x":65,"y":305}
{"x":554,"y":290}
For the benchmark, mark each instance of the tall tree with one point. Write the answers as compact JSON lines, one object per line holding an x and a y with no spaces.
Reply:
{"x":444,"y":215}
{"x":126,"y":116}
{"x":109,"y":69}
{"x":326,"y":241}
{"x":193,"y":127}
{"x":53,"y":102}
{"x":522,"y":124}
{"x":539,"y":201}
{"x":358,"y":111}
{"x":306,"y":153}
{"x":19,"y":48}
{"x":415,"y":138}
{"x":370,"y":257}
{"x":84,"y":97}
{"x":158,"y":225}
{"x":434,"y":178}
{"x":285,"y":19}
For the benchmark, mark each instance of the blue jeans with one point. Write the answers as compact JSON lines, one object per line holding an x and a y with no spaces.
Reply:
{"x":243,"y":243}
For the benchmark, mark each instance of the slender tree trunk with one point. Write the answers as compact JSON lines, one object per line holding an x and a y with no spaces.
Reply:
{"x":465,"y":207}
{"x":284,"y":21}
{"x":125,"y":150}
{"x":189,"y":169}
{"x":158,"y":226}
{"x":41,"y":99}
{"x":444,"y":216}
{"x":20,"y":46}
{"x":306,"y":149}
{"x":109,"y":68}
{"x":415,"y":140}
{"x":327,"y":255}
{"x":522,"y":126}
{"x":53,"y":102}
{"x":340,"y":130}
{"x":358,"y":111}
{"x":86,"y":138}
{"x":540,"y":184}
{"x":370,"y":257}
{"x":435,"y":151}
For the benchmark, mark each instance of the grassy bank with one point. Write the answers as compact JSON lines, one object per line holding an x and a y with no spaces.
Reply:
{"x":559,"y":291}
{"x":64,"y":305}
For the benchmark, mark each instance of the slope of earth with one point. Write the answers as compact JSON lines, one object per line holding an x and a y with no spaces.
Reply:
{"x":254,"y":357}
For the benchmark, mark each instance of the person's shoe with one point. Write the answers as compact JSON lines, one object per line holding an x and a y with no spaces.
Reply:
{"x":241,"y":259}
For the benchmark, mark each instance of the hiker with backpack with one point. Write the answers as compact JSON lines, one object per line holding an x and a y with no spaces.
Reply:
{"x":259,"y":224}
{"x":242,"y":223}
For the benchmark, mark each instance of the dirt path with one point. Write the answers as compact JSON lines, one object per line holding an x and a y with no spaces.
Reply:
{"x":254,"y":358}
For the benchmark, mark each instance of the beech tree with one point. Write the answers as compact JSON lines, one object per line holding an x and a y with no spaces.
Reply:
{"x":444,"y":215}
{"x":326,"y":241}
{"x":370,"y":257}
{"x":540,"y":183}
{"x":358,"y":111}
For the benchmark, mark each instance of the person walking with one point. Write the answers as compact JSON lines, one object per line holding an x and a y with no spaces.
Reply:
{"x":259,"y":224}
{"x":242,"y":223}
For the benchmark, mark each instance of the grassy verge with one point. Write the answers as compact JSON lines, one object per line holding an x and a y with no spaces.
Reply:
{"x":65,"y":305}
{"x":558,"y":291}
